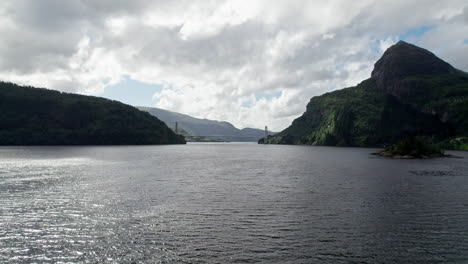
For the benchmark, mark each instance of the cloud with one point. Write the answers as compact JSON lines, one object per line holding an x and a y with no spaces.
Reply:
{"x":214,"y":58}
{"x":465,"y":14}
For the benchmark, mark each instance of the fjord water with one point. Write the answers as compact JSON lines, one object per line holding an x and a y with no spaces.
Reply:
{"x":229,"y":203}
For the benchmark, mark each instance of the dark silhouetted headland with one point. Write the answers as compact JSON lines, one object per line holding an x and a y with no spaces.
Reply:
{"x":33,"y":116}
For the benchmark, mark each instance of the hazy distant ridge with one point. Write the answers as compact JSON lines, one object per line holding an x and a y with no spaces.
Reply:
{"x":199,"y":127}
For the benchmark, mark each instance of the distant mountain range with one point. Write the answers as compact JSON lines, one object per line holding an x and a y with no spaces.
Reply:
{"x":411,"y":92}
{"x":215,"y":130}
{"x":35,"y":116}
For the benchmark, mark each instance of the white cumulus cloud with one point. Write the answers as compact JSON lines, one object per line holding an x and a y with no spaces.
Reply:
{"x":252,"y":63}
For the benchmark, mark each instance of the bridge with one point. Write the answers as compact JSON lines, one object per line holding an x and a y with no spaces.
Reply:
{"x":220,"y":136}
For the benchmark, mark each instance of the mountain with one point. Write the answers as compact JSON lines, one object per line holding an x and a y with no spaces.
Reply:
{"x":411,"y":92}
{"x":204,"y":127}
{"x":190,"y":138}
{"x":35,"y":116}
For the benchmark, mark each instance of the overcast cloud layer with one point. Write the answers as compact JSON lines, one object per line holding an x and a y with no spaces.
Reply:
{"x":247,"y":62}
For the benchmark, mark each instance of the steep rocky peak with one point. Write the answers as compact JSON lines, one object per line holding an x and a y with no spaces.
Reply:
{"x":404,"y":59}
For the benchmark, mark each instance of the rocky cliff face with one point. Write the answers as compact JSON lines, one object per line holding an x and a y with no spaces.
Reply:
{"x":403,"y":60}
{"x":411,"y":93}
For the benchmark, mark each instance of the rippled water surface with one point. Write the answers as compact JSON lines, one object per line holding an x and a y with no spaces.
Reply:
{"x":229,"y":203}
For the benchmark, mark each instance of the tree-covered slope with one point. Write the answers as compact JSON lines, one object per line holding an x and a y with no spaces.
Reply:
{"x":399,"y":100}
{"x":33,"y":116}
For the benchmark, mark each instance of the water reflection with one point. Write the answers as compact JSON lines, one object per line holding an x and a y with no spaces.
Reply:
{"x":229,"y":203}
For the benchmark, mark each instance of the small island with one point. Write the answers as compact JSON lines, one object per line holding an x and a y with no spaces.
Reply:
{"x":413,"y":148}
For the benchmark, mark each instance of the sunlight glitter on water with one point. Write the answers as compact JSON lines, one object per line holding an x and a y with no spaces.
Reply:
{"x":225,"y":203}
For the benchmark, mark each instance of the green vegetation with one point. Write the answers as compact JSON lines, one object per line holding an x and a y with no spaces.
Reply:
{"x":459,"y":143}
{"x":411,"y":93}
{"x":443,"y":95}
{"x":33,"y":116}
{"x":362,"y":116}
{"x":413,"y":148}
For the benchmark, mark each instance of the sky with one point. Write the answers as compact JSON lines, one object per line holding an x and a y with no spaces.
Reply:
{"x":252,"y":63}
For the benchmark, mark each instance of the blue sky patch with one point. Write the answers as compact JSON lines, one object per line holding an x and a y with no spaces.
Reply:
{"x":267,"y":95}
{"x":132,"y":92}
{"x":375,"y":48}
{"x":415,"y":32}
{"x":340,"y":66}
{"x":247,"y":104}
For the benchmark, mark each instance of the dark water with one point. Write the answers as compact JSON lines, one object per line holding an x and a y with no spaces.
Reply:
{"x":229,"y":203}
